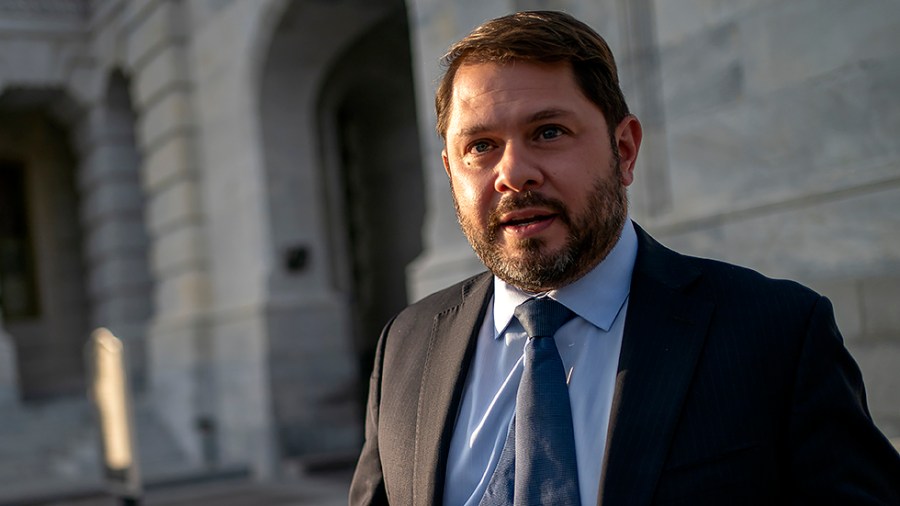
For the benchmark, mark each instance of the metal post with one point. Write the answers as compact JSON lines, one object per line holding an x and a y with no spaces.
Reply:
{"x":109,"y":390}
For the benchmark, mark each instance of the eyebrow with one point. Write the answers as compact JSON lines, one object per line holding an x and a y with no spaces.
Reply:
{"x":547,"y":114}
{"x":541,"y":115}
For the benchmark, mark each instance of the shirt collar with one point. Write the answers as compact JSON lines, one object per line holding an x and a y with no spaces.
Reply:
{"x":596,"y":297}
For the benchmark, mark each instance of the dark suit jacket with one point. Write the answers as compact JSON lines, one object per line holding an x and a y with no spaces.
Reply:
{"x":732,"y":388}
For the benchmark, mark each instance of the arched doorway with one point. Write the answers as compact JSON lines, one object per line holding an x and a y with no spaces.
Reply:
{"x":73,"y":253}
{"x":345,"y":201}
{"x":45,"y":303}
{"x":374,"y":181}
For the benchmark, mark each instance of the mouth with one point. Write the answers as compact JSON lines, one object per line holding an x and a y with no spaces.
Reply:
{"x":527,"y":222}
{"x":526,"y":216}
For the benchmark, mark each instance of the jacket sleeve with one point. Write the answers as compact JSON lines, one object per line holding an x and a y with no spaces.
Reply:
{"x":838,"y":455}
{"x":367,"y":487}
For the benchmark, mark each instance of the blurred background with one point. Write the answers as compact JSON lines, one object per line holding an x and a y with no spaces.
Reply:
{"x":245,"y":191}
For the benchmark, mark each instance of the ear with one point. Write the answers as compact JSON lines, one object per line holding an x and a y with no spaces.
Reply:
{"x":628,"y":139}
{"x":446,"y":161}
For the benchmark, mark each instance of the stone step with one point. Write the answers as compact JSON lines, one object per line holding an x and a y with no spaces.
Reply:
{"x":58,"y":442}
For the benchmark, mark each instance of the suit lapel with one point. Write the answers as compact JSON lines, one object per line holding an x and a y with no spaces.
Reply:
{"x":664,"y":334}
{"x":446,"y":365}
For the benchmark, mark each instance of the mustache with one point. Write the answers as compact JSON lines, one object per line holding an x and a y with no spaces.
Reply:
{"x":524,"y":200}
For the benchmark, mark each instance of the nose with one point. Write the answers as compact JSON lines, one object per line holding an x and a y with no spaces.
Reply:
{"x":517,"y":170}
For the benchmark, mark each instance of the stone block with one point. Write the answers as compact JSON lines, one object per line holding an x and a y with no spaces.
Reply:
{"x":155,"y":25}
{"x":881,"y":307}
{"x":168,"y":162}
{"x":203,"y":14}
{"x":163,"y":73}
{"x":818,"y":138}
{"x":178,"y":249}
{"x":118,"y":118}
{"x":313,"y":373}
{"x":681,"y":19}
{"x":122,"y":309}
{"x":182,"y":294}
{"x":108,"y":162}
{"x":172,"y":113}
{"x":31,"y":62}
{"x":135,"y":11}
{"x":242,"y":383}
{"x":175,"y":204}
{"x":792,"y":43}
{"x":86,"y":82}
{"x":110,"y":199}
{"x":173,"y":358}
{"x":47,"y":449}
{"x":119,"y":236}
{"x":102,"y":125}
{"x":119,"y":274}
{"x":716,"y":77}
{"x":107,"y":42}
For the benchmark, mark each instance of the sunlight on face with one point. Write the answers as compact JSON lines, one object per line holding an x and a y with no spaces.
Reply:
{"x":534,"y":171}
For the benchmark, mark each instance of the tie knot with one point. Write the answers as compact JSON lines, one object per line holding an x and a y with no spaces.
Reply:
{"x":542,"y":317}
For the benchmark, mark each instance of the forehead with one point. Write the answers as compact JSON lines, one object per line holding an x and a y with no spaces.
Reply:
{"x":484,"y":91}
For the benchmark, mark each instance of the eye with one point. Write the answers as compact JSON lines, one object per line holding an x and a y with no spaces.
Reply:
{"x":550,"y":132}
{"x":479,"y":147}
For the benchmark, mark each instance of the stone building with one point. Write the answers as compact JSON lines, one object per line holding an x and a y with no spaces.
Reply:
{"x":244,"y":191}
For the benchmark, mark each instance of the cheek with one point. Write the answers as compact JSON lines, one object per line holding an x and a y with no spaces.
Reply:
{"x":471,"y":195}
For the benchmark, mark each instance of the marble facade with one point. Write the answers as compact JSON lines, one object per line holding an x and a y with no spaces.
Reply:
{"x":238,"y":169}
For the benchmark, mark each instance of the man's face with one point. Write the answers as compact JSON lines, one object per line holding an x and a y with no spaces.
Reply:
{"x":537,"y":178}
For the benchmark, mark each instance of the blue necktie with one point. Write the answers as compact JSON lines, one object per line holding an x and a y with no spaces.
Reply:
{"x":537,"y":465}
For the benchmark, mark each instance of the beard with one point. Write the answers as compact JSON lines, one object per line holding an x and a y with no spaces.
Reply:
{"x":528,"y":264}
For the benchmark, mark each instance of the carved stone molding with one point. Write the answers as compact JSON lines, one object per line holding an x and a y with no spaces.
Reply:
{"x":45,"y":8}
{"x":43,"y":17}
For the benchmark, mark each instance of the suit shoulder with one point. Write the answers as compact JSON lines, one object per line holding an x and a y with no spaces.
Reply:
{"x":748,"y":291}
{"x":734,"y":276}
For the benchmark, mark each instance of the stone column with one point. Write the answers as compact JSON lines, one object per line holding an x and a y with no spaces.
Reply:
{"x":115,"y":237}
{"x":179,"y":347}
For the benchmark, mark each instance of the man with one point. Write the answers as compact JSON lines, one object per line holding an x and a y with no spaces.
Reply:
{"x":689,"y":381}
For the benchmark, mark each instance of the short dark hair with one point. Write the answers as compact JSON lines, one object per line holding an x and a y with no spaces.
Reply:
{"x":544,"y":37}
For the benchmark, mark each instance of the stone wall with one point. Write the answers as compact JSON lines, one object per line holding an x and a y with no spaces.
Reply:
{"x":203,"y":162}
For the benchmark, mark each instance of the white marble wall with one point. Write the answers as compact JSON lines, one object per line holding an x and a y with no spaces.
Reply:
{"x":148,"y":41}
{"x":223,"y":51}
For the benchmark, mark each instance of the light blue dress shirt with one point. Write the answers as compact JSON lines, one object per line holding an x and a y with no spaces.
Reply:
{"x":589,"y":346}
